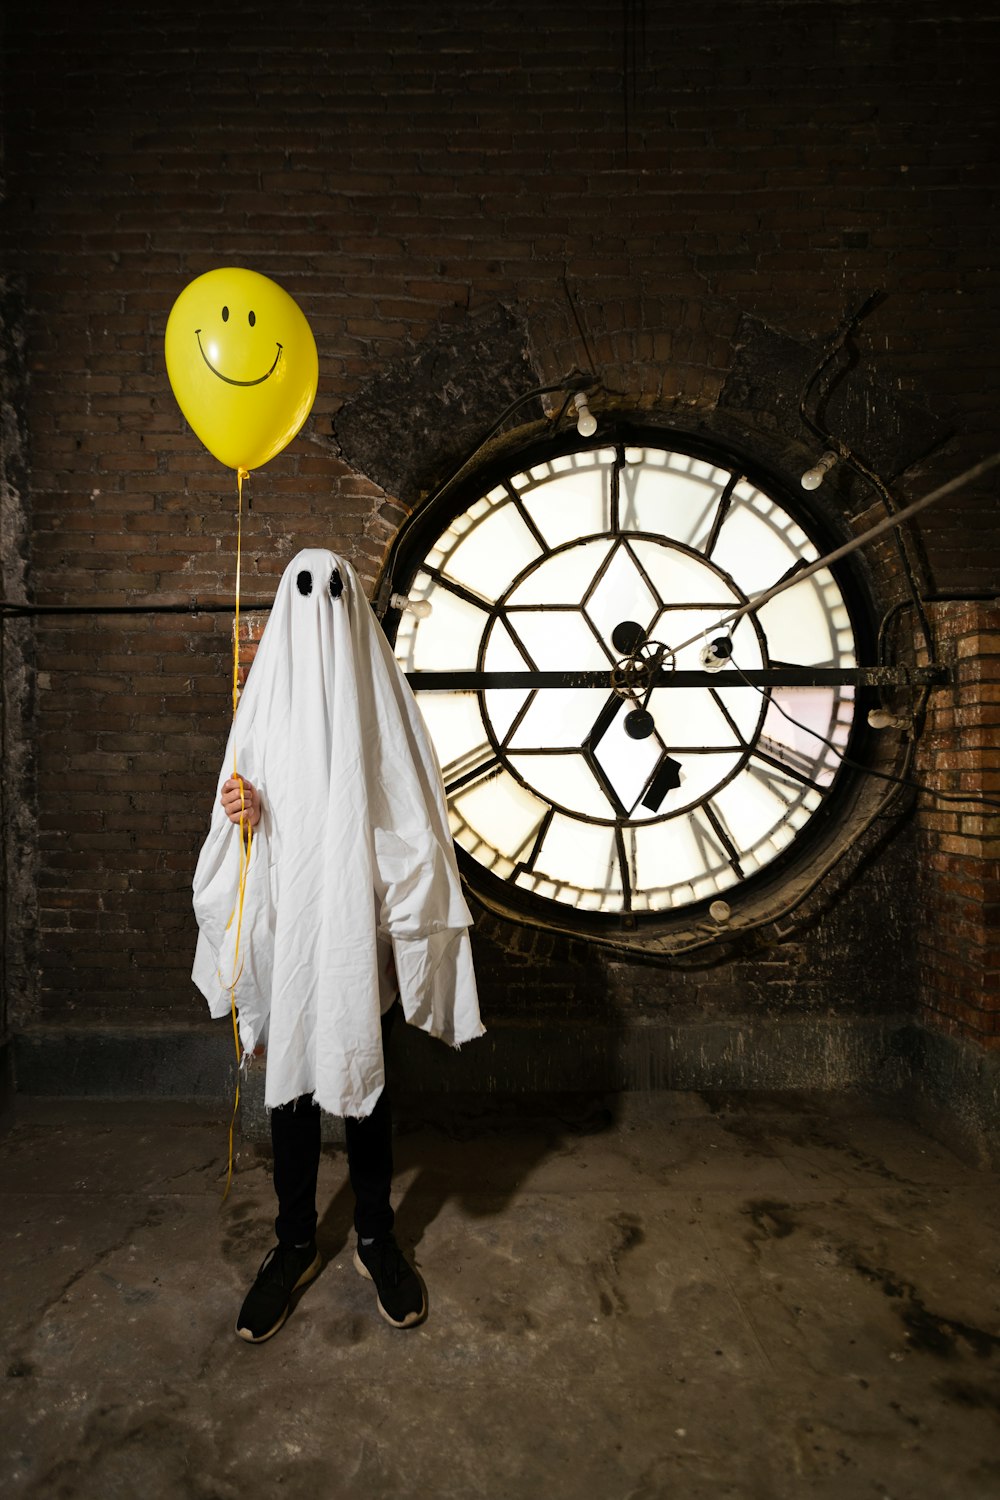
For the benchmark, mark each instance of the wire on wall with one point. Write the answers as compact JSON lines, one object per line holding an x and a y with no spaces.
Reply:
{"x":841,"y":341}
{"x":577,"y":319}
{"x":633,"y":62}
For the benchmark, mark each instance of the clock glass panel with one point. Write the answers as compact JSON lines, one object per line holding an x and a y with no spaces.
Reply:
{"x":599,"y":562}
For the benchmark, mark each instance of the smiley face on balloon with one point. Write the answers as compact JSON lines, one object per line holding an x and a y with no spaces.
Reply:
{"x":242,"y":363}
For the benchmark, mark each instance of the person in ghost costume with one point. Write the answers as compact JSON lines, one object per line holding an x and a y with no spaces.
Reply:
{"x":352,"y":909}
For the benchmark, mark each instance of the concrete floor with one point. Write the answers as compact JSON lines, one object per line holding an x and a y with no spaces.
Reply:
{"x":653,"y":1295}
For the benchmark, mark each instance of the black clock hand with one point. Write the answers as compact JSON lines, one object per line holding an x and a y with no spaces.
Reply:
{"x":629,"y":637}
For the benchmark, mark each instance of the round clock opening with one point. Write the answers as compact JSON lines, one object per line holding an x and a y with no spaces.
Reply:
{"x":616,"y":748}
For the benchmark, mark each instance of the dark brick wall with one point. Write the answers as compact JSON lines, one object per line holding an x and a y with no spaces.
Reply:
{"x":632,"y":195}
{"x":958,"y":940}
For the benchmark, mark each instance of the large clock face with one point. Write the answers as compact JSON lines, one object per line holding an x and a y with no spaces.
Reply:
{"x":601,"y":745}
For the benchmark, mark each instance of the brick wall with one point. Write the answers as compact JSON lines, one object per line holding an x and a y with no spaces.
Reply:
{"x":958,"y":929}
{"x":398,"y":167}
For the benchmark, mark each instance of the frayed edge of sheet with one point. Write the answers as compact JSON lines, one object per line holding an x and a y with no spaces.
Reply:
{"x":457,"y":1046}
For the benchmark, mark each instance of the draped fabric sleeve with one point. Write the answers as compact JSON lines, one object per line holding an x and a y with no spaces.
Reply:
{"x":421,"y":906}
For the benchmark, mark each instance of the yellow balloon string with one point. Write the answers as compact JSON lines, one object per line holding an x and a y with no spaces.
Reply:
{"x":241,"y":474}
{"x":246,"y":833}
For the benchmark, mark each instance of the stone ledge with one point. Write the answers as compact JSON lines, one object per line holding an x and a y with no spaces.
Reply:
{"x":949,"y":1085}
{"x":197,"y":1062}
{"x":125,"y":1062}
{"x":953,"y":1092}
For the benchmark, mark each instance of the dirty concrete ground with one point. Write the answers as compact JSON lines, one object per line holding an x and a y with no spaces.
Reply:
{"x":743,"y":1298}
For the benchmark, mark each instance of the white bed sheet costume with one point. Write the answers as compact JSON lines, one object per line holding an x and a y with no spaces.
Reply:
{"x":352,"y":860}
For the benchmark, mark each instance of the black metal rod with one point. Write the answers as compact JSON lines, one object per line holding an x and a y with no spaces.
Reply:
{"x":886,"y":524}
{"x":458,"y":682}
{"x":12,"y":611}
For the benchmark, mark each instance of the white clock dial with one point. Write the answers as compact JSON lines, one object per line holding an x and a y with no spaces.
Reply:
{"x":551,"y":787}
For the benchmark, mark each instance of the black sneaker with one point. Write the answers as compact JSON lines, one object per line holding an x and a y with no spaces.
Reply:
{"x":283,"y":1270}
{"x":401,"y":1299}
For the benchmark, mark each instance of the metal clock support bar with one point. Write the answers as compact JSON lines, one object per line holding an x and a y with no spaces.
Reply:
{"x":886,"y":524}
{"x":768,"y":677}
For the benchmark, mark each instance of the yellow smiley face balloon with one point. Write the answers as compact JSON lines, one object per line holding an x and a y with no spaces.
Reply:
{"x":242,"y":363}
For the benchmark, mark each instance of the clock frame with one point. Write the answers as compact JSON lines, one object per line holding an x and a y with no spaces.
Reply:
{"x":579,"y":583}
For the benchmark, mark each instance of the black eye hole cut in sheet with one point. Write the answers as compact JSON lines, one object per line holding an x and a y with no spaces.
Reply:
{"x":304,"y":583}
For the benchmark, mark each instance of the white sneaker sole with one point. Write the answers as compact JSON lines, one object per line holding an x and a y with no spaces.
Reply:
{"x":411,"y":1317}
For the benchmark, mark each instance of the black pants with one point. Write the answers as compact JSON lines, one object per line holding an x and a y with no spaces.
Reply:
{"x":295,"y":1141}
